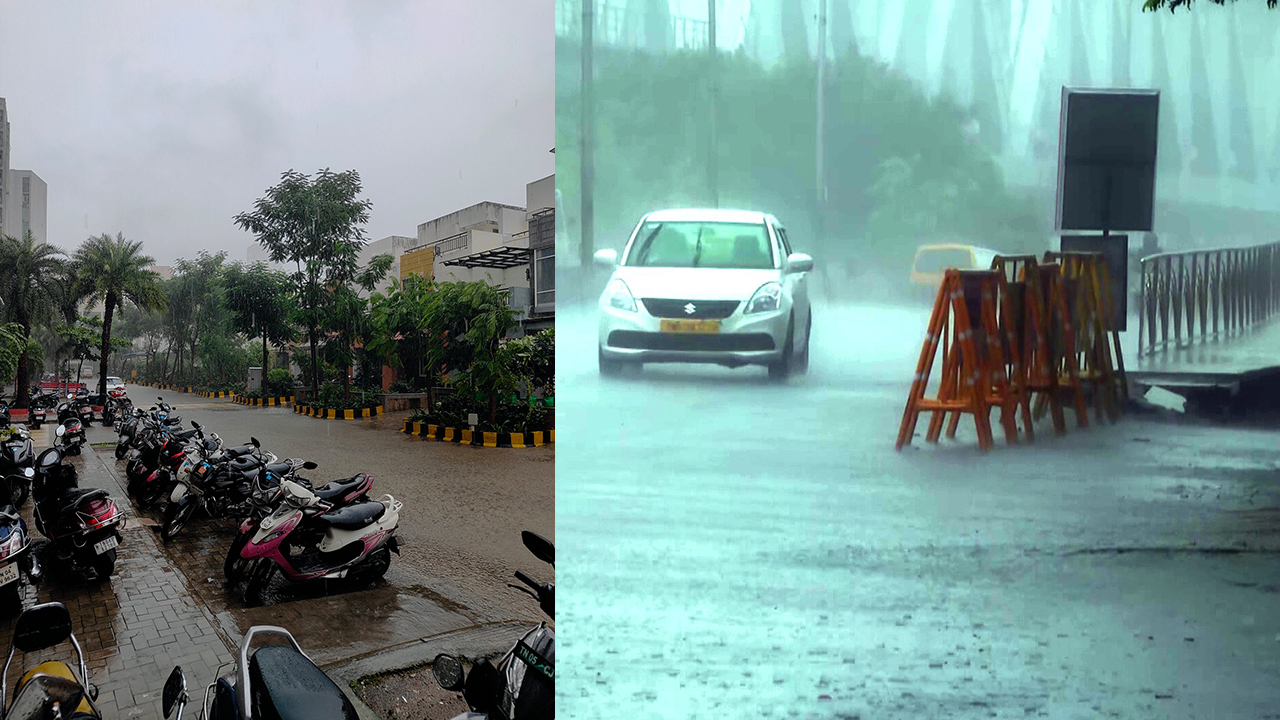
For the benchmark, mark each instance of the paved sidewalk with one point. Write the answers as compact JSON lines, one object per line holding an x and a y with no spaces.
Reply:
{"x":135,"y":626}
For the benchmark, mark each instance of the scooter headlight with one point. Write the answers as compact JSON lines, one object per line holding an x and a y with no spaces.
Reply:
{"x":767,"y":298}
{"x":62,"y":430}
{"x":619,"y":296}
{"x":29,"y":472}
{"x":10,"y":545}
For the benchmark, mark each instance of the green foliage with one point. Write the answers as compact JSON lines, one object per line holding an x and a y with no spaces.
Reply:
{"x":33,"y":284}
{"x":902,"y":169}
{"x":333,"y":397}
{"x":259,"y":303}
{"x":532,"y":360}
{"x":279,"y":383}
{"x":513,"y":415}
{"x":12,"y":343}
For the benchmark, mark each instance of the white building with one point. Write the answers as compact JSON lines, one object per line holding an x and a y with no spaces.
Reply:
{"x":393,"y":245}
{"x":27,"y":205}
{"x":4,"y":166}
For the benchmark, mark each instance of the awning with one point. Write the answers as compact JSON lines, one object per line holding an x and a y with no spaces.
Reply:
{"x":500,"y":258}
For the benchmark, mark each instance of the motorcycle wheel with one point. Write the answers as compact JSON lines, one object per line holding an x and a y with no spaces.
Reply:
{"x":235,"y":565}
{"x":104,"y":564}
{"x":11,"y":598}
{"x":121,"y":451}
{"x":377,"y":564}
{"x":175,"y":518}
{"x":20,"y":493}
{"x":259,"y":577}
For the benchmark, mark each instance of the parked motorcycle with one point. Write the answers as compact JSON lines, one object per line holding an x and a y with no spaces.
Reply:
{"x":51,"y":689}
{"x":5,"y":419}
{"x":70,"y":436}
{"x":17,"y":457}
{"x":522,"y":684}
{"x":82,"y":525}
{"x":37,"y":412}
{"x":265,"y":501}
{"x":306,"y":538}
{"x":151,"y":472}
{"x":271,"y":683}
{"x":16,"y":558}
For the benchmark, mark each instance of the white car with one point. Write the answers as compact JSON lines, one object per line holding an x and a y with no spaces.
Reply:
{"x":706,"y":286}
{"x":114,"y":383}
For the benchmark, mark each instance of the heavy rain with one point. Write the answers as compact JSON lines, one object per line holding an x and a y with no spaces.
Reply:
{"x":742,"y":539}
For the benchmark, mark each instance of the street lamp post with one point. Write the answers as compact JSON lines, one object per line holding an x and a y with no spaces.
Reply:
{"x":713,"y":145}
{"x":822,"y":124}
{"x":586,"y":131}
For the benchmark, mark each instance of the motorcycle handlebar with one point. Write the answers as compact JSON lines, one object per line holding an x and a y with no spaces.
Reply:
{"x":529,"y":581}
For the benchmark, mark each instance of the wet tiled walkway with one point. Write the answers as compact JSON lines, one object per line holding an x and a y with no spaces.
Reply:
{"x":135,"y":626}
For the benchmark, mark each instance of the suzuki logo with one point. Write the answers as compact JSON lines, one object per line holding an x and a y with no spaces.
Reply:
{"x":690,"y":309}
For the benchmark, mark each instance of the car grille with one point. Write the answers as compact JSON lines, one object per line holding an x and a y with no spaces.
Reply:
{"x":682,"y":342}
{"x":703,"y":309}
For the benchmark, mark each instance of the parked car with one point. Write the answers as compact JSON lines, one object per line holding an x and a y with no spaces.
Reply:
{"x":706,"y":286}
{"x":114,"y":383}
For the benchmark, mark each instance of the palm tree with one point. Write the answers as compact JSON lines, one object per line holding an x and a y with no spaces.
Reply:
{"x":33,"y":283}
{"x":113,"y":271}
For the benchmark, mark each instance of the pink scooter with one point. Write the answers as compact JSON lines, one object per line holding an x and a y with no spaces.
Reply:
{"x":307,"y":539}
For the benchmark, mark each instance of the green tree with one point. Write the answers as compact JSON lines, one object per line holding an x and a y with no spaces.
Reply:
{"x":200,"y":280}
{"x":346,"y":318}
{"x":464,"y":324}
{"x":258,"y":300}
{"x":33,"y":280}
{"x":115,"y":272}
{"x":316,"y":225}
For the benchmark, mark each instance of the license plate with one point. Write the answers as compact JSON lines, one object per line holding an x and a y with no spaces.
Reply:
{"x":8,"y":574}
{"x":105,"y":545}
{"x":705,"y":327}
{"x":535,"y":661}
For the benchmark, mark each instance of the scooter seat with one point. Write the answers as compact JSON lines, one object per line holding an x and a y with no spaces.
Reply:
{"x":338,"y":488}
{"x":242,"y":464}
{"x":72,"y":498}
{"x":186,"y":434}
{"x":9,"y":513}
{"x":288,"y":686}
{"x":354,"y":517}
{"x":278,"y":469}
{"x":239,"y":451}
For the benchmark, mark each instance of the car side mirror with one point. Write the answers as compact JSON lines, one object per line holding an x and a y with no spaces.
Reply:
{"x":448,"y":672}
{"x":606,"y":258}
{"x":799,"y":262}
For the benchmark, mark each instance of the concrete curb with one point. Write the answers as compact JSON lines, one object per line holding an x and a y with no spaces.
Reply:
{"x":471,"y":643}
{"x":330,"y":414}
{"x":262,"y":402}
{"x":478,"y":439}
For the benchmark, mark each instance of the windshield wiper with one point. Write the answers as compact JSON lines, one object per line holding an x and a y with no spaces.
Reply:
{"x":697,"y":252}
{"x":646,"y":246}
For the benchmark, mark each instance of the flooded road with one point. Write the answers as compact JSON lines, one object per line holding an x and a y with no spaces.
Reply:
{"x":736,"y":545}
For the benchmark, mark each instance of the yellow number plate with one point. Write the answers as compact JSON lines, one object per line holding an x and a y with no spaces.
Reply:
{"x":708,"y":327}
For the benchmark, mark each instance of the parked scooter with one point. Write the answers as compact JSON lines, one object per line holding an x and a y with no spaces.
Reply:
{"x":151,"y":473}
{"x":17,"y":457}
{"x":16,"y":558}
{"x":37,"y":412}
{"x":265,"y":501}
{"x":522,"y":685}
{"x":307,"y":539}
{"x":82,"y":525}
{"x":51,"y":689}
{"x":70,"y":436}
{"x":269,"y":683}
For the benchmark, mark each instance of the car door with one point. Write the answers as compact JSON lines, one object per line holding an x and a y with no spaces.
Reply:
{"x":796,"y":284}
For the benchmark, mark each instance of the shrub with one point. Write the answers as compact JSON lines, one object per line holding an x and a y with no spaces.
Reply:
{"x":279,"y":383}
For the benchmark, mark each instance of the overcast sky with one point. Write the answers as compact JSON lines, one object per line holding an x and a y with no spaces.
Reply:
{"x":163,"y":120}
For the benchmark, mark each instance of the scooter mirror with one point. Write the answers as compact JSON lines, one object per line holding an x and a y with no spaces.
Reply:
{"x":539,"y":546}
{"x":255,"y":442}
{"x":308,"y":465}
{"x":175,"y":691}
{"x":195,"y":424}
{"x":448,"y":672}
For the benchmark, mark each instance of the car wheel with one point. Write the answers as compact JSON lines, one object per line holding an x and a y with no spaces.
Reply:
{"x":802,"y":360}
{"x":780,"y":369}
{"x":610,"y":367}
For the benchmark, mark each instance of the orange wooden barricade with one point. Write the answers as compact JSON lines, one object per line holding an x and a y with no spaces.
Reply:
{"x":974,"y":377}
{"x":1082,"y":277}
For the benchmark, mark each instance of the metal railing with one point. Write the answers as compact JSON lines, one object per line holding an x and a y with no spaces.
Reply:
{"x":1234,"y":288}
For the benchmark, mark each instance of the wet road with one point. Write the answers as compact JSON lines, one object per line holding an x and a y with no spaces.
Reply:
{"x":737,"y":546}
{"x":459,"y":531}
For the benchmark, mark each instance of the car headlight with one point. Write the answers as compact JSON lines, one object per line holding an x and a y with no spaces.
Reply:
{"x":619,"y":296}
{"x":767,"y":298}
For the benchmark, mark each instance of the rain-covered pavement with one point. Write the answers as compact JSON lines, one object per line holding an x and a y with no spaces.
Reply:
{"x":459,"y":530}
{"x":738,"y":547}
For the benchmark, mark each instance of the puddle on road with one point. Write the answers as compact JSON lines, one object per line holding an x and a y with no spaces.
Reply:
{"x":325,"y":626}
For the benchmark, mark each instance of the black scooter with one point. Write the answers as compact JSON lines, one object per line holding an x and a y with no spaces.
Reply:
{"x":269,"y":683}
{"x":522,"y":684}
{"x":83,"y":526}
{"x":17,"y":457}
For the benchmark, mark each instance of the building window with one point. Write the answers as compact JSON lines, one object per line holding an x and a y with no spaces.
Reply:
{"x":544,"y":276}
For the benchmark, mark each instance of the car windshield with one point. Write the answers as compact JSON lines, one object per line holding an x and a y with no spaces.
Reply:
{"x":721,"y":245}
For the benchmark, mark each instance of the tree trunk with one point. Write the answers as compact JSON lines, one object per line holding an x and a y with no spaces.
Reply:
{"x":493,"y":408}
{"x":21,"y":392}
{"x":346,"y":379}
{"x":315,"y":368}
{"x":107,"y":312}
{"x":80,"y":370}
